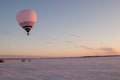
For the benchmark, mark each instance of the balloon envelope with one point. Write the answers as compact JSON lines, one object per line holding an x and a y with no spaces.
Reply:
{"x":26,"y":19}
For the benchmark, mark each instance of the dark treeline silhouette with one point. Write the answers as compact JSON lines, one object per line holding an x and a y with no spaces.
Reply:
{"x":2,"y":60}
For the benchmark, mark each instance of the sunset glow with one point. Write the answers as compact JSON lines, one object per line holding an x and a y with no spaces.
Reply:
{"x":64,"y":28}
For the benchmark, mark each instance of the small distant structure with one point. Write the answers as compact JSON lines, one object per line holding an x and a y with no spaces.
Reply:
{"x":23,"y":60}
{"x":29,"y":60}
{"x":1,"y":61}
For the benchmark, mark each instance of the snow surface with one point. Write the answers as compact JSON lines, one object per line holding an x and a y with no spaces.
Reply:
{"x":101,"y":68}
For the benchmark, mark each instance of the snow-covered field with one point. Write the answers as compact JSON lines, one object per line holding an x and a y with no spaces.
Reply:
{"x":100,"y":68}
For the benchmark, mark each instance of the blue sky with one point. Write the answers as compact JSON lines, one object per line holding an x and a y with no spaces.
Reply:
{"x":63,"y":28}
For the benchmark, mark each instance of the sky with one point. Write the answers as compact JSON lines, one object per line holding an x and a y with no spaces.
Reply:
{"x":64,"y":28}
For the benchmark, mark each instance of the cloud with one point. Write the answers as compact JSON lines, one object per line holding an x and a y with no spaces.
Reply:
{"x":109,"y":50}
{"x":88,"y":48}
{"x":77,"y":47}
{"x":48,"y":42}
{"x":53,"y":39}
{"x":50,"y":38}
{"x":105,"y":50}
{"x":68,"y":41}
{"x":74,"y":35}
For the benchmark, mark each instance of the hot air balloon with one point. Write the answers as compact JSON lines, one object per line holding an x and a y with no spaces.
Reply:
{"x":26,"y":19}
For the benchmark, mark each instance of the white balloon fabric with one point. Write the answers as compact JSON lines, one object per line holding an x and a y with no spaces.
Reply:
{"x":26,"y":19}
